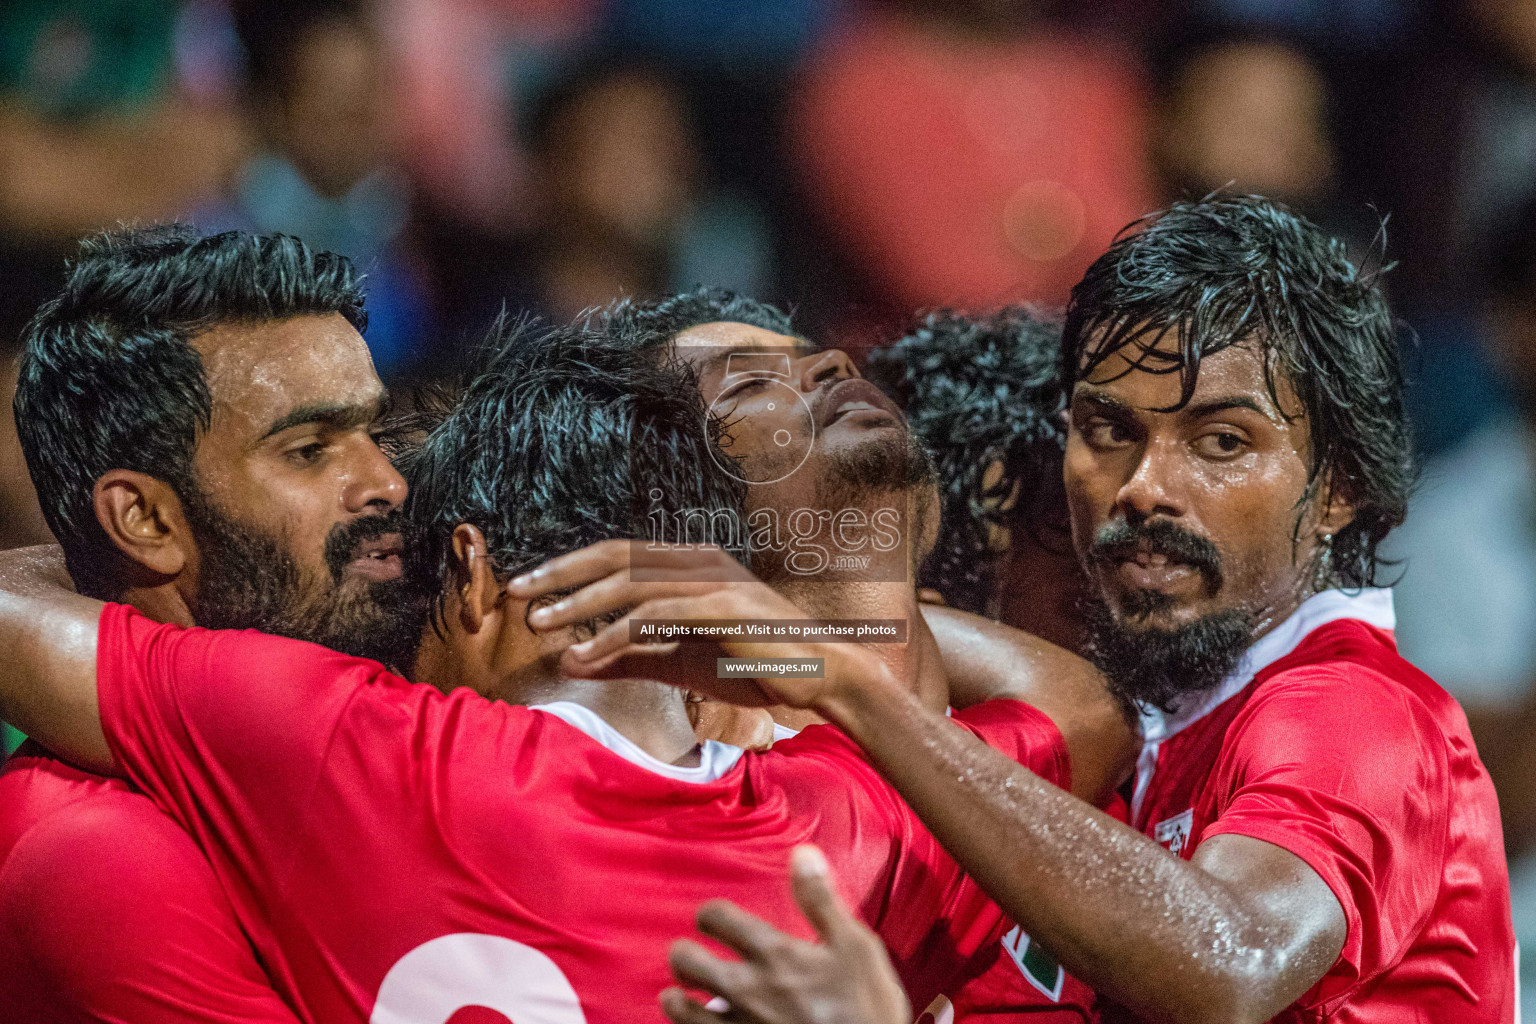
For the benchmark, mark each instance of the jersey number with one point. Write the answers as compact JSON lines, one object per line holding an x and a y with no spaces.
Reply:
{"x":437,"y":979}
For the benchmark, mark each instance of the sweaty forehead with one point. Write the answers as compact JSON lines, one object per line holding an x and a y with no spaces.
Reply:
{"x":257,"y":373}
{"x":1151,"y":380}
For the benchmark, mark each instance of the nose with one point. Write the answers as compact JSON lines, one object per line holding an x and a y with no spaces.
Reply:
{"x":1149,"y":490}
{"x":819,"y":367}
{"x":374,"y":483}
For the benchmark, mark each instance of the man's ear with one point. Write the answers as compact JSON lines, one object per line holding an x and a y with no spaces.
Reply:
{"x":473,"y":580}
{"x":1335,"y":511}
{"x":143,"y":517}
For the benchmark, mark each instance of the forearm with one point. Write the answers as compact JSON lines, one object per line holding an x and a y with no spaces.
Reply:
{"x":1149,"y":930}
{"x":48,"y":634}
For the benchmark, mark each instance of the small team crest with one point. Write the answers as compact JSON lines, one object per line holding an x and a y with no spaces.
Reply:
{"x":1038,"y":966}
{"x":1174,"y":832}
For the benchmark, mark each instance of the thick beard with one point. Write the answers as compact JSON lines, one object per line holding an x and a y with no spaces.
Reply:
{"x":249,"y":580}
{"x":1159,"y":667}
{"x":882,"y":464}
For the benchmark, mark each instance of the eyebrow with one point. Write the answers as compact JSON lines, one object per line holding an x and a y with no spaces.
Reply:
{"x":1112,"y":404}
{"x":334,"y":415}
{"x":801,"y":347}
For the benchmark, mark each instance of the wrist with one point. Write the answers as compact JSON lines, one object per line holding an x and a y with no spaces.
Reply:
{"x":856,"y":685}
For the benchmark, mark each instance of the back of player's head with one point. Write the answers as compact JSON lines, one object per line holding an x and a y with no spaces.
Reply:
{"x":560,"y":439}
{"x":981,"y":391}
{"x":1233,"y":268}
{"x":109,"y":378}
{"x":650,"y":324}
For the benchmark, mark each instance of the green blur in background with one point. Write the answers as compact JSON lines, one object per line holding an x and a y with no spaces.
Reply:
{"x":10,"y":739}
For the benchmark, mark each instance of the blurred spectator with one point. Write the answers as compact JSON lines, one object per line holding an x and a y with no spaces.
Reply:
{"x":1251,"y":111}
{"x":628,"y":205}
{"x":463,"y":68}
{"x":1466,"y":604}
{"x":1498,"y":162}
{"x":319,"y":93}
{"x":967,"y":155}
{"x":101,"y":121}
{"x":1245,"y":111}
{"x":727,"y":33}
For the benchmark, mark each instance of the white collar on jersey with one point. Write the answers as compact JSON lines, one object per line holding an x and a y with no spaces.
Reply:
{"x":1371,"y":605}
{"x":715,"y":758}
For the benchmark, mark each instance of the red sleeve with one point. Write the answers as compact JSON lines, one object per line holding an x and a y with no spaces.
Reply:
{"x":226,"y":731}
{"x":1024,"y":733}
{"x":109,"y":914}
{"x":1347,"y":770}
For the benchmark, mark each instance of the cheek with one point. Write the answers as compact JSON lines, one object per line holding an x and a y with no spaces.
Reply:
{"x":1089,"y":489}
{"x":1250,"y":511}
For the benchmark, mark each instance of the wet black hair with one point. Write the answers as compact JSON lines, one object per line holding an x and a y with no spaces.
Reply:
{"x":979,"y":390}
{"x":643,"y":324}
{"x":561,"y":438}
{"x":1232,"y":268}
{"x":109,"y":378}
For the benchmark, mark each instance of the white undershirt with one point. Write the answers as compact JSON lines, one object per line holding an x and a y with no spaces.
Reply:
{"x":715,"y":758}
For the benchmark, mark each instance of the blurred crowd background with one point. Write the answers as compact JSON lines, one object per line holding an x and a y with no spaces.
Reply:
{"x":855,"y":161}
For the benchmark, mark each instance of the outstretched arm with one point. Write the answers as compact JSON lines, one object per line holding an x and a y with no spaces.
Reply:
{"x":48,"y":634}
{"x":1235,"y":935}
{"x":987,"y":660}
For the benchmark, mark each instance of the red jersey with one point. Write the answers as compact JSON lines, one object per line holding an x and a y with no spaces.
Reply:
{"x":1018,"y":976}
{"x":110,"y":913}
{"x":397,"y":854}
{"x":1328,"y":744}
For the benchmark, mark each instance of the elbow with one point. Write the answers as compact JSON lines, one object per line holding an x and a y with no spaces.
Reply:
{"x":1250,"y":991}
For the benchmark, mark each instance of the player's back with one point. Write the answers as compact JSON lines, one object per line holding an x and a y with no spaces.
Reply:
{"x":109,"y":911}
{"x":397,"y":853}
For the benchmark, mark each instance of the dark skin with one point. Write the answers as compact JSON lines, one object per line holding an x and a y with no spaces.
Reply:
{"x":757,"y":406}
{"x":1244,"y":928}
{"x":763,"y":383}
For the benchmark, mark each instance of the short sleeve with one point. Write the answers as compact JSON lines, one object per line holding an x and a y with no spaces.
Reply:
{"x":110,"y":914}
{"x":1024,"y":733}
{"x":226,"y":731}
{"x":1348,"y":771}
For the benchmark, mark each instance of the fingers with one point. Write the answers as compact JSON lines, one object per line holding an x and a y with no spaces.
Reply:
{"x":615,"y":592}
{"x":680,"y":1008}
{"x":810,"y":880}
{"x":697,"y":967}
{"x":573,"y":570}
{"x":642,"y":558}
{"x":748,"y":935}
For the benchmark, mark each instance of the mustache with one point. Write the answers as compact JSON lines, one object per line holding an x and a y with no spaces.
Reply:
{"x":342,"y":542}
{"x":1120,"y":539}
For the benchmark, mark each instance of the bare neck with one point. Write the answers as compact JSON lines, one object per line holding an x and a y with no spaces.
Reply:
{"x":652,"y":715}
{"x":917,"y":661}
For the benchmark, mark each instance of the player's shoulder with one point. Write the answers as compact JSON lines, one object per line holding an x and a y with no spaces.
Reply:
{"x":234,"y":651}
{"x":95,"y":835}
{"x":1349,"y":671}
{"x":1349,"y":693}
{"x":35,"y":785}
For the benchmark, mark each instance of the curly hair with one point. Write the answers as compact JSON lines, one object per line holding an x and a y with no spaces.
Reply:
{"x":980,"y":391}
{"x":1231,"y":268}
